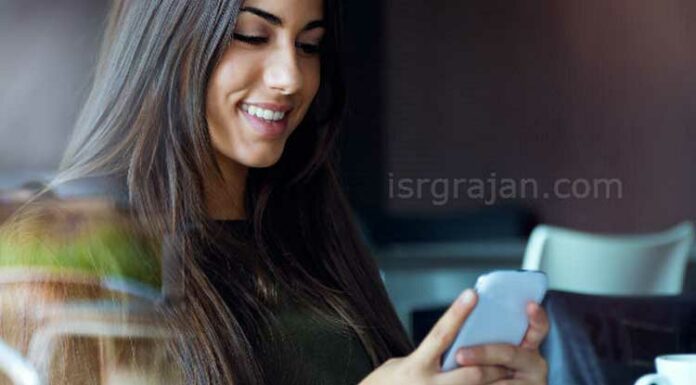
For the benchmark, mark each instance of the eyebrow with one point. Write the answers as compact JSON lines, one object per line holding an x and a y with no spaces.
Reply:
{"x":275,"y":20}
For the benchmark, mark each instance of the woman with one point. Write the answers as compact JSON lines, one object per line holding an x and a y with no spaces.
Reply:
{"x":219,"y":117}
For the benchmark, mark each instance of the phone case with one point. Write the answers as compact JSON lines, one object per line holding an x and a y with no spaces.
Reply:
{"x":500,"y":315}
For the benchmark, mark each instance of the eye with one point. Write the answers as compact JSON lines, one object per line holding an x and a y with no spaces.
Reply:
{"x":309,"y":49}
{"x":253,"y":40}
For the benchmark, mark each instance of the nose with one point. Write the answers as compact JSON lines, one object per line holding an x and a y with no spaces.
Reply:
{"x":283,"y":72}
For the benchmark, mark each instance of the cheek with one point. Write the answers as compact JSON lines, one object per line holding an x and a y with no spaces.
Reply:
{"x":227,"y":82}
{"x":235,"y":72}
{"x":213,"y":100}
{"x":219,"y":108}
{"x":218,"y":87}
{"x":314,"y":80}
{"x":223,"y":81}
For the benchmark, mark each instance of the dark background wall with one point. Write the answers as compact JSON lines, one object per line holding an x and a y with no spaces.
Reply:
{"x":361,"y":152}
{"x":545,"y":89}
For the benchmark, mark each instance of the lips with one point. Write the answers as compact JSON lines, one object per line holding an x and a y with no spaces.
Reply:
{"x":267,"y":119}
{"x":280,"y":107}
{"x":264,"y":113}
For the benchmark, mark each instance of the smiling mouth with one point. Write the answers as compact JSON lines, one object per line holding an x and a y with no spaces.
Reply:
{"x":263,"y":113}
{"x":268,"y":123}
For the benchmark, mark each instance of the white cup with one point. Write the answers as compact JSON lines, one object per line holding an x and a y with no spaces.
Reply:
{"x":676,"y":369}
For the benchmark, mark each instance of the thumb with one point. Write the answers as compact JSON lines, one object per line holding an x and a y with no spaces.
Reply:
{"x":445,"y":330}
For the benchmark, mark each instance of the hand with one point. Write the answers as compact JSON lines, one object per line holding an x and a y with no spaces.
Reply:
{"x":487,"y":364}
{"x":525,"y":364}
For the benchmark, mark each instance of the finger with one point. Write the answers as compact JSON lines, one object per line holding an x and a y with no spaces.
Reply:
{"x":538,"y":326}
{"x":508,"y":356}
{"x":473,"y":375}
{"x":445,"y":330}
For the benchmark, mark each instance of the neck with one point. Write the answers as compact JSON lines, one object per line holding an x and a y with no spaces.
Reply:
{"x":225,"y":196}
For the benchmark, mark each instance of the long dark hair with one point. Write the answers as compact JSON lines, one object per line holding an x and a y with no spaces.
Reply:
{"x":144,"y":122}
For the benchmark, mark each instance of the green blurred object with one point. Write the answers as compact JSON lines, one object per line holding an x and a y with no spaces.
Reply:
{"x":106,"y":250}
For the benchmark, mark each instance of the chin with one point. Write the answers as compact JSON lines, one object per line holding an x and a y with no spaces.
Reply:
{"x":266,"y":159}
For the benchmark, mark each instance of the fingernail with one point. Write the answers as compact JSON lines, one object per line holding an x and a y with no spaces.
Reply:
{"x":466,"y":297}
{"x":463,"y":356}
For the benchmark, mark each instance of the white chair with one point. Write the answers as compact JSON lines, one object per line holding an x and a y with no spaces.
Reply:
{"x":102,"y":322}
{"x":16,"y":367}
{"x":649,"y":264}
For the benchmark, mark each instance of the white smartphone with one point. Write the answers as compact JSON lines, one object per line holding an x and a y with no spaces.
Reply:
{"x":500,"y":316}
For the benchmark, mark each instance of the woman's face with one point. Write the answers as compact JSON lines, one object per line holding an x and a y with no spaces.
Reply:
{"x":266,"y":80}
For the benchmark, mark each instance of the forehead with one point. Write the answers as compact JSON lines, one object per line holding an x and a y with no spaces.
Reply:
{"x":291,"y":11}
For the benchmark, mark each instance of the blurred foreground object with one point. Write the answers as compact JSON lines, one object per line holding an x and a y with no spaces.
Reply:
{"x":16,"y":368}
{"x":87,"y":234}
{"x":79,"y":292}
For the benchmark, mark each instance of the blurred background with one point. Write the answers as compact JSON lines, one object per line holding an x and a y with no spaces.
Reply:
{"x":487,"y":89}
{"x":524,"y":89}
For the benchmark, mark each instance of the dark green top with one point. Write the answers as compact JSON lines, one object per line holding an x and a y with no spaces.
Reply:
{"x":309,"y":350}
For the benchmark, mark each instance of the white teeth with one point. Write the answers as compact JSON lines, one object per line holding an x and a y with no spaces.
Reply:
{"x":263,"y":113}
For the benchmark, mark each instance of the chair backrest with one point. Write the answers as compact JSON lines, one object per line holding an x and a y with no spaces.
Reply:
{"x":24,"y":292}
{"x":63,"y":320}
{"x":16,"y":368}
{"x":129,"y":340}
{"x":611,"y":264}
